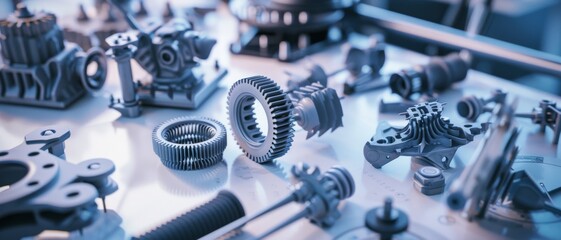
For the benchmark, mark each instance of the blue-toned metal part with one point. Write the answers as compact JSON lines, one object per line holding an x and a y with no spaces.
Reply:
{"x":428,"y":136}
{"x":39,"y":68}
{"x":42,"y":191}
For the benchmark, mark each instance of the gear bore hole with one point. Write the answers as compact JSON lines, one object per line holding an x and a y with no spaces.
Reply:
{"x":10,"y":174}
{"x":253,"y":118}
{"x":189,"y":133}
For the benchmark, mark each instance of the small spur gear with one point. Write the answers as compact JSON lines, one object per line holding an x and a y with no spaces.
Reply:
{"x":278,"y":139}
{"x":314,"y":107}
{"x":189,"y":143}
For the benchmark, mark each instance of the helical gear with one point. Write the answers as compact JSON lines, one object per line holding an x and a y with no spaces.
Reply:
{"x":189,"y":143}
{"x":278,"y":139}
{"x":317,"y":109}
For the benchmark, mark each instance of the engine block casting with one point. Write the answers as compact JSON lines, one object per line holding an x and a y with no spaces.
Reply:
{"x":39,"y":68}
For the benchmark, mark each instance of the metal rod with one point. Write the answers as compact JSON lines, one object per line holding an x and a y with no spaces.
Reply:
{"x":292,"y":219}
{"x":478,"y":45}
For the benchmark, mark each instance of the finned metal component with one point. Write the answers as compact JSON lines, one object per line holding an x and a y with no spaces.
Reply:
{"x":429,"y":180}
{"x":45,"y":192}
{"x":387,"y":220}
{"x":293,"y":29}
{"x":216,"y":213}
{"x":320,"y":194}
{"x":122,"y":49}
{"x":171,"y":53}
{"x":317,"y":109}
{"x":317,"y":75}
{"x":189,"y":143}
{"x":39,"y":68}
{"x":428,"y":136}
{"x":438,"y":75}
{"x":472,"y":107}
{"x":314,"y":107}
{"x":483,"y":181}
{"x":257,"y":145}
{"x":546,"y":115}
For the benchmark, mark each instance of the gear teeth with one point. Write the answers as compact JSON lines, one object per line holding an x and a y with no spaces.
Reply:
{"x":278,"y":106}
{"x":189,"y":143}
{"x":327,"y":106}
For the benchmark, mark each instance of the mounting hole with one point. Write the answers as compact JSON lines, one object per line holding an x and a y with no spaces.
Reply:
{"x":32,"y":154}
{"x":468,"y":125}
{"x":381,"y":141}
{"x":48,"y":132}
{"x":444,"y":159}
{"x":48,"y":165}
{"x":32,"y":183}
{"x":10,"y":174}
{"x":94,"y":166}
{"x":72,"y":194}
{"x":3,"y":154}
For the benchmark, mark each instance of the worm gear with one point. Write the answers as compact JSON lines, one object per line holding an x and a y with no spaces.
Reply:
{"x":314,"y":107}
{"x":189,"y":143}
{"x":428,"y":135}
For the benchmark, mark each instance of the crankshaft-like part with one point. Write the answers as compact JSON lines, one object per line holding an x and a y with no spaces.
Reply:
{"x":320,"y":194}
{"x":314,"y":107}
{"x":428,"y":136}
{"x":439,"y":74}
{"x":189,"y":143}
{"x":45,"y":192}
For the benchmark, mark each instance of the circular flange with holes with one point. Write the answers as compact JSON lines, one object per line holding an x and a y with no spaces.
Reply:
{"x":260,"y":146}
{"x":189,"y":143}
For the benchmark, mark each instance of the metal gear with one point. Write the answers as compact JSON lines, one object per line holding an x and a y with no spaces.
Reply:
{"x":317,"y":109}
{"x":428,"y":135}
{"x":189,"y":143}
{"x":278,"y":139}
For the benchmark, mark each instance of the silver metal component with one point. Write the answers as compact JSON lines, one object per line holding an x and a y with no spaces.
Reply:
{"x":315,"y":108}
{"x":39,"y":68}
{"x":123,"y":46}
{"x":276,"y":140}
{"x":386,"y":220}
{"x":320,"y":194}
{"x":429,"y":180}
{"x":546,"y":115}
{"x":481,"y":182}
{"x":46,"y":192}
{"x":472,"y":107}
{"x":317,"y":75}
{"x":428,"y":136}
{"x":189,"y":143}
{"x":319,"y":109}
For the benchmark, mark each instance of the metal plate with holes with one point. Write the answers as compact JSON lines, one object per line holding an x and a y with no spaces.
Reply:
{"x":151,"y":194}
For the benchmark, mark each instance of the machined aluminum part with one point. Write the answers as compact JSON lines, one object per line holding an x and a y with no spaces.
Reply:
{"x":189,"y":143}
{"x":428,"y":136}
{"x":45,"y":192}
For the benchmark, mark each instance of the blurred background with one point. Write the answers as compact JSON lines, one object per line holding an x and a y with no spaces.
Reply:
{"x":533,"y":24}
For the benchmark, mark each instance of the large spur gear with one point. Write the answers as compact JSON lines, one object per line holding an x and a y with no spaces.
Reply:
{"x":428,"y":136}
{"x":278,"y":139}
{"x":314,"y":107}
{"x":189,"y":143}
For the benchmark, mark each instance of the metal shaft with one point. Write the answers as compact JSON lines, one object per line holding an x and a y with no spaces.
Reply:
{"x":477,"y":45}
{"x":125,"y":76}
